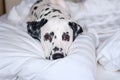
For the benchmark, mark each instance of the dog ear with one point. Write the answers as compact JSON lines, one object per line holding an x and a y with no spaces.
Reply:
{"x":60,"y":3}
{"x":33,"y":28}
{"x":77,"y":29}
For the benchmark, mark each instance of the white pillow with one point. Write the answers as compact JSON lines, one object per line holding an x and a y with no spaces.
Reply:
{"x":109,"y":53}
{"x":79,"y":65}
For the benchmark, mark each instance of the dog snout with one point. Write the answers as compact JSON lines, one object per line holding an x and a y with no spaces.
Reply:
{"x":57,"y":56}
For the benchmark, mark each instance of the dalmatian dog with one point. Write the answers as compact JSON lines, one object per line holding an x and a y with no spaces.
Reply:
{"x":51,"y":24}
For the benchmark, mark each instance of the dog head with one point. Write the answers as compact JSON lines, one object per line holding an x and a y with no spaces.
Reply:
{"x":54,"y":29}
{"x":55,"y":36}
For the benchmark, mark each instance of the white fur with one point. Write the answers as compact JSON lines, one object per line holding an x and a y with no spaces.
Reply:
{"x":59,"y":27}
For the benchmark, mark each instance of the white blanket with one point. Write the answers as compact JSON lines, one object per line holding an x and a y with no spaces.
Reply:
{"x":109,"y":53}
{"x":22,"y":58}
{"x":104,"y":17}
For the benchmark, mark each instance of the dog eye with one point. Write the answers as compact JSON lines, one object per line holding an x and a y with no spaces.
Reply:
{"x":65,"y":37}
{"x":47,"y":37}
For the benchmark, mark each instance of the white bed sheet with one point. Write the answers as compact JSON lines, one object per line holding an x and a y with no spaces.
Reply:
{"x":22,"y":57}
{"x":102,"y":74}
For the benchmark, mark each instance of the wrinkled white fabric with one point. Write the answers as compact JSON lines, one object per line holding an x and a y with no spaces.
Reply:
{"x":109,"y":53}
{"x":22,"y":57}
{"x":103,"y":16}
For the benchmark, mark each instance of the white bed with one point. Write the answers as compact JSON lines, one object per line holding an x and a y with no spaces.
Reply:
{"x":22,"y":57}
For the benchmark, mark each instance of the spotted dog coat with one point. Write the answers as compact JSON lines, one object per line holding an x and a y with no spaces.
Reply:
{"x":51,"y":24}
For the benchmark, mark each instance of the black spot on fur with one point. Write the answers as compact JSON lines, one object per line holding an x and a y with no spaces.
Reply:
{"x":54,"y":16}
{"x":47,"y":9}
{"x":53,"y":43}
{"x":35,"y":7}
{"x":66,"y":36}
{"x":38,"y":1}
{"x":48,"y":58}
{"x":52,"y":33}
{"x":56,"y":10}
{"x":33,"y":28}
{"x":62,"y":18}
{"x":47,"y":37}
{"x":61,"y":49}
{"x":77,"y":29}
{"x":56,"y":49}
{"x":47,"y":13}
{"x":32,"y":12}
{"x":50,"y":53}
{"x":35,"y":15}
{"x":41,"y":16}
{"x":55,"y":37}
{"x":48,"y":4}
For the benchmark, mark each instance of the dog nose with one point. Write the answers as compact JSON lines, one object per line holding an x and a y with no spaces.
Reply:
{"x":57,"y":56}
